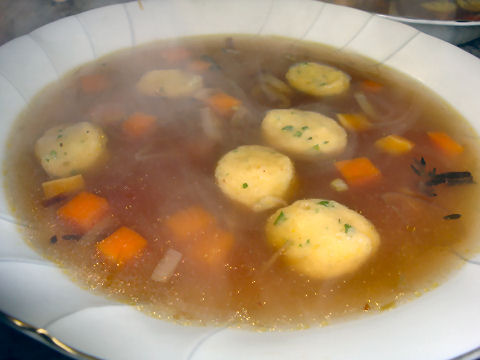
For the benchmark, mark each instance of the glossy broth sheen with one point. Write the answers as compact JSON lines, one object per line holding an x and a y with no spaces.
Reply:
{"x":172,"y":168}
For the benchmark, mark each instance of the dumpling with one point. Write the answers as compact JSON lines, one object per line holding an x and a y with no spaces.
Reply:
{"x":303,"y":133}
{"x":169,"y":83}
{"x":317,"y":79}
{"x":66,"y":150}
{"x":322,"y":238}
{"x":256,"y":176}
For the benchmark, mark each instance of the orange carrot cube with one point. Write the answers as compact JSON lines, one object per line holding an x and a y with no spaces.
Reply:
{"x":84,"y":210}
{"x":223,"y":104}
{"x":358,"y":171}
{"x":138,"y":124}
{"x":122,"y":245}
{"x":193,"y":220}
{"x":445,"y":143}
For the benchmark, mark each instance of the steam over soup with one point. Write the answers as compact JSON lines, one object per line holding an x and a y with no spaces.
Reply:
{"x":246,"y":181}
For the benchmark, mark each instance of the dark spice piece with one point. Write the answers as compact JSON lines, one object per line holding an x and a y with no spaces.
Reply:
{"x":53,"y":239}
{"x":53,"y":200}
{"x":452,"y":216}
{"x":72,"y":237}
{"x":431,"y":178}
{"x":451,"y":178}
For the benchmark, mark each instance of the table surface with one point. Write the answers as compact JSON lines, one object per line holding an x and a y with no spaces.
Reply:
{"x":18,"y":17}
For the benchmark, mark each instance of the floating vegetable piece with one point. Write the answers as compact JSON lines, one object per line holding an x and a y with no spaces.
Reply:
{"x":339,"y":185}
{"x":68,"y":149}
{"x":121,"y":246}
{"x":169,"y":83}
{"x":359,"y":171}
{"x":196,"y":231}
{"x":63,"y":186}
{"x":354,"y":122}
{"x":272,"y":90}
{"x":166,"y":266}
{"x":84,"y":210}
{"x":223,"y":104}
{"x":445,"y":143}
{"x":190,"y":221}
{"x":138,"y":125}
{"x":371,"y":86}
{"x":95,"y":83}
{"x":394,"y":144}
{"x":212,"y":246}
{"x":365,"y":105}
{"x":317,"y":79}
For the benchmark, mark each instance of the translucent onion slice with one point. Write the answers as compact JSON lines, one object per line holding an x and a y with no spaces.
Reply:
{"x":166,"y":266}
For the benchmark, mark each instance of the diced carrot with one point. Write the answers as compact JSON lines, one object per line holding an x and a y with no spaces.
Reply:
{"x":122,"y":245}
{"x":66,"y":185}
{"x":138,"y":124}
{"x":84,"y":210}
{"x":445,"y":143}
{"x":191,"y":221}
{"x":354,"y":122}
{"x":371,"y":86}
{"x":94,"y":83}
{"x":394,"y":144}
{"x":199,"y":66}
{"x":223,"y":104}
{"x":212,"y":247}
{"x":358,"y":171}
{"x":175,"y":54}
{"x":196,"y":232}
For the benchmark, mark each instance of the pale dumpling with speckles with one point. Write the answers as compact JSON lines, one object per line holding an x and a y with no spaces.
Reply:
{"x":303,"y":133}
{"x":322,"y":238}
{"x":66,"y":150}
{"x":256,"y":176}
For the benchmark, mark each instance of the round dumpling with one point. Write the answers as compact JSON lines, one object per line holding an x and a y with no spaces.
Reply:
{"x":169,"y":83}
{"x":256,"y":176}
{"x":322,"y":238}
{"x":66,"y":150}
{"x":317,"y":79}
{"x":303,"y":133}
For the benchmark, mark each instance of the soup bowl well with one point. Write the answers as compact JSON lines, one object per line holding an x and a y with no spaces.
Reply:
{"x":38,"y":297}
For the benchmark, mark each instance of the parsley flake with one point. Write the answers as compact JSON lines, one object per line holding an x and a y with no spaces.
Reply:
{"x":316,"y":147}
{"x":347,"y":228}
{"x":325,"y":203}
{"x":244,"y":185}
{"x":280,"y":218}
{"x":287,"y":128}
{"x":298,"y":134}
{"x":304,"y":128}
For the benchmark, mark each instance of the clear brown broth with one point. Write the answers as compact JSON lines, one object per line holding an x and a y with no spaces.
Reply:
{"x":418,"y":248}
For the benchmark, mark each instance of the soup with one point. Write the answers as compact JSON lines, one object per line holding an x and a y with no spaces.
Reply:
{"x":458,"y":10}
{"x":245,"y":181}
